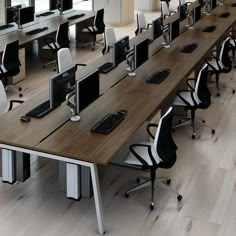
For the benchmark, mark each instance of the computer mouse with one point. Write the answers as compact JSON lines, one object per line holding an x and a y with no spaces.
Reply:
{"x":122,"y":112}
{"x":25,"y":118}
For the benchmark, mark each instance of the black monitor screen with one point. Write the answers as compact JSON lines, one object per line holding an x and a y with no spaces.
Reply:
{"x":87,"y":90}
{"x":174,"y":29}
{"x":120,"y":50}
{"x":197,"y":13}
{"x":26,"y":15}
{"x":12,"y":14}
{"x":141,"y":53}
{"x":156,"y":28}
{"x":61,"y":85}
{"x":66,"y":5}
{"x":54,"y":4}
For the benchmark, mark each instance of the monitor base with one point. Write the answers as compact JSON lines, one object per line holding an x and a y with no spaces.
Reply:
{"x":75,"y":118}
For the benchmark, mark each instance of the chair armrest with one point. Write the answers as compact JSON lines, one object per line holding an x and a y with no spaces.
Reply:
{"x":76,"y":66}
{"x":184,"y":100}
{"x":189,"y":85}
{"x":12,"y":102}
{"x":48,"y":42}
{"x":212,"y":54}
{"x":87,"y":25}
{"x":151,"y":125}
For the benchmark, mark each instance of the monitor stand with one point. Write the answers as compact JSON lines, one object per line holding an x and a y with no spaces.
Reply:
{"x":75,"y":116}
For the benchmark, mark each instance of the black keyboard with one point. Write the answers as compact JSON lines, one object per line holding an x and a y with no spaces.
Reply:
{"x":209,"y":29}
{"x":76,"y":16}
{"x":36,"y":31}
{"x":225,"y":15}
{"x":40,"y":111}
{"x":105,"y":68}
{"x":108,"y":123}
{"x":189,"y":48}
{"x":48,"y":13}
{"x":158,"y":77}
{"x":3,"y":27}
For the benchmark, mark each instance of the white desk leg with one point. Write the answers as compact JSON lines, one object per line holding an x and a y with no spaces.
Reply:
{"x":97,"y":198}
{"x":8,"y":166}
{"x":73,"y":181}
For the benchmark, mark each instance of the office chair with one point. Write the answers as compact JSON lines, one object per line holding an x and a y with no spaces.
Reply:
{"x":141,"y":23}
{"x":65,"y":61}
{"x":165,"y":11}
{"x":5,"y":104}
{"x":161,"y":153}
{"x":184,"y":12}
{"x":98,"y":27}
{"x":61,"y":41}
{"x":197,"y":97}
{"x":110,"y":39}
{"x":231,"y":34}
{"x":221,"y":64}
{"x":10,"y":65}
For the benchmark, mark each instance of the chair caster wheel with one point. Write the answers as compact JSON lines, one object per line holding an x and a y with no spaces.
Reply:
{"x":233,"y":91}
{"x":193,"y":136}
{"x":54,"y":70}
{"x":152,"y":206}
{"x":92,"y":49}
{"x":126,"y":195}
{"x":19,"y":89}
{"x":44,"y":67}
{"x":179,"y":198}
{"x":168,"y":181}
{"x":218,"y":94}
{"x":203,"y":121}
{"x":213,"y":131}
{"x":20,"y":95}
{"x":138,"y":180}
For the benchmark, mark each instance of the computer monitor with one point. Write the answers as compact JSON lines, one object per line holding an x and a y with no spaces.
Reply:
{"x":12,"y":14}
{"x":174,"y":29}
{"x":156,"y":28}
{"x":26,"y":15}
{"x":141,"y":53}
{"x":213,"y":4}
{"x":197,"y":13}
{"x":54,"y":5}
{"x":120,"y":50}
{"x":60,"y":85}
{"x":66,"y":5}
{"x":87,"y":90}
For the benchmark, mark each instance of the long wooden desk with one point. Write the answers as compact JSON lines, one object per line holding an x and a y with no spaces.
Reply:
{"x":57,"y":138}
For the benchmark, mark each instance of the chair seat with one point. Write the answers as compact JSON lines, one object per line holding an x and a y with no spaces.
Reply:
{"x":46,"y":47}
{"x":86,"y":30}
{"x":214,"y":64}
{"x":143,"y":152}
{"x":187,"y":95}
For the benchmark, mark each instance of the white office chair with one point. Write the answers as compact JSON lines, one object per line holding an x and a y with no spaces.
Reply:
{"x":165,"y":11}
{"x":110,"y":39}
{"x":161,"y":153}
{"x":141,"y":23}
{"x":221,"y":64}
{"x":65,"y":61}
{"x":5,"y":104}
{"x":197,"y":97}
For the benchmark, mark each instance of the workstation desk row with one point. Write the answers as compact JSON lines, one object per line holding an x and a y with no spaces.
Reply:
{"x":55,"y":137}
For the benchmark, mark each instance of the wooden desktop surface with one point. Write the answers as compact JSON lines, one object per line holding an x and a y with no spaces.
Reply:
{"x":141,"y":100}
{"x":52,"y":25}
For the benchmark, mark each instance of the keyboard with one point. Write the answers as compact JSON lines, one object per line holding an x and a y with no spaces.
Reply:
{"x":3,"y":27}
{"x":36,"y":31}
{"x":48,"y":13}
{"x":158,"y":77}
{"x":108,"y":123}
{"x":225,"y":15}
{"x":41,"y":110}
{"x":209,"y":29}
{"x":105,"y":68}
{"x":189,"y":48}
{"x":76,"y":16}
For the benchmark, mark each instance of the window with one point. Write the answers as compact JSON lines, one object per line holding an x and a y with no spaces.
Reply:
{"x":41,"y":5}
{"x":82,"y":4}
{"x":25,"y":3}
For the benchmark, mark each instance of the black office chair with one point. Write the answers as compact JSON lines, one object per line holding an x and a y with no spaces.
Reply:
{"x":10,"y":65}
{"x":98,"y":27}
{"x":197,"y":97}
{"x":232,"y":34}
{"x":158,"y":154}
{"x":221,"y":64}
{"x":141,"y":23}
{"x":61,"y":41}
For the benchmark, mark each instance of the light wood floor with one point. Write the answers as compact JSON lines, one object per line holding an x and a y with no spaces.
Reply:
{"x":205,"y":173}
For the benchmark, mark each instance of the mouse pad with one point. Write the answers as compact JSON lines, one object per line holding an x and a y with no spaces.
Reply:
{"x":225,"y":15}
{"x":233,"y":5}
{"x":189,"y":48}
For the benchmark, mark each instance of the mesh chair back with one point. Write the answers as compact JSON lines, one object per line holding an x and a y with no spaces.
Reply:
{"x":98,"y":21}
{"x":64,"y":59}
{"x":163,"y":142}
{"x":10,"y":58}
{"x":3,"y":99}
{"x":62,"y":36}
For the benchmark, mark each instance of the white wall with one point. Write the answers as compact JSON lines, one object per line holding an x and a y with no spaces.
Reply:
{"x":2,"y":12}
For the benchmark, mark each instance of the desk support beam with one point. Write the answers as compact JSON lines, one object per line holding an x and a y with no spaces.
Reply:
{"x":8,"y":166}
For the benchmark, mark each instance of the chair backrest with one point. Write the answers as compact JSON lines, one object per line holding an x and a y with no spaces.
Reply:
{"x":224,"y":57}
{"x":3,"y":99}
{"x":163,"y":142}
{"x":181,"y":2}
{"x":164,"y":9}
{"x":10,"y":58}
{"x":99,"y":22}
{"x":62,"y":36}
{"x":201,"y":93}
{"x":142,"y":24}
{"x":110,"y":38}
{"x":64,"y":59}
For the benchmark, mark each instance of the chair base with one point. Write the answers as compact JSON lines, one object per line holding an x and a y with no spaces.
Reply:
{"x":158,"y":183}
{"x":189,"y":120}
{"x":54,"y":62}
{"x":17,"y":90}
